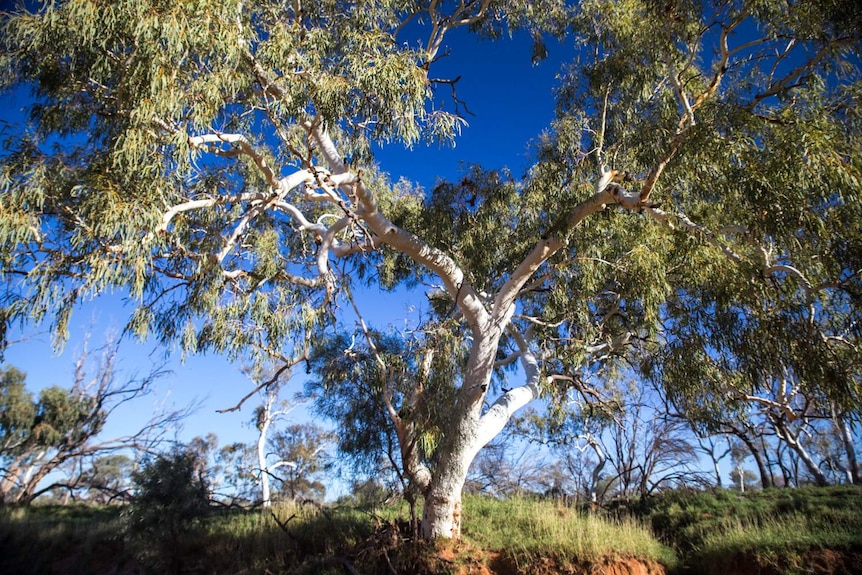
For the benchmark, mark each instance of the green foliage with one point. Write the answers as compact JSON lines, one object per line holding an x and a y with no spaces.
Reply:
{"x":764,"y":286}
{"x":237,"y":464}
{"x":108,"y":477}
{"x":304,"y":446}
{"x":367,"y":494}
{"x":41,"y":432}
{"x":120,"y":89}
{"x":171,"y":498}
{"x":58,"y":416}
{"x":366,"y":432}
{"x":364,"y":428}
{"x":713,"y":529}
{"x":467,"y":218}
{"x":18,"y":409}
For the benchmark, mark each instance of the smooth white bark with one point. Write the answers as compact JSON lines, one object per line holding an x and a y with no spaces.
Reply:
{"x":846,"y":434}
{"x":791,"y":438}
{"x":487,"y":316}
{"x":265,"y":469}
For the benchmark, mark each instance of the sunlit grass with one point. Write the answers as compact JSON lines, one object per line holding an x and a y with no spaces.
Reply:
{"x":528,"y":529}
{"x":778,"y":535}
{"x":775,"y":528}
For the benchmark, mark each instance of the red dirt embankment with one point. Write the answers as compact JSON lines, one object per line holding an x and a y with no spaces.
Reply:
{"x":815,"y":562}
{"x":500,"y":564}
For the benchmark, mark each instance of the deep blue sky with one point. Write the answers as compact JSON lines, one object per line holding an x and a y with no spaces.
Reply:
{"x":512,"y":102}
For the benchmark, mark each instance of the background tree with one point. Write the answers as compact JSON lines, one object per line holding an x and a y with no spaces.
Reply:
{"x":171,"y":495}
{"x":504,"y":469}
{"x":237,"y":480}
{"x":646,"y":449}
{"x":716,"y":451}
{"x":18,"y":416}
{"x":268,"y":383}
{"x":370,"y":494}
{"x":302,"y":446}
{"x":103,"y":479}
{"x":200,"y":164}
{"x":291,"y":458}
{"x":392,"y":416}
{"x":63,"y":425}
{"x":573,"y":430}
{"x":108,"y":478}
{"x":740,"y":477}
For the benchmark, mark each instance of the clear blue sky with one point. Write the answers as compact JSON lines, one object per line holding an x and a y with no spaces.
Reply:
{"x":512,"y":101}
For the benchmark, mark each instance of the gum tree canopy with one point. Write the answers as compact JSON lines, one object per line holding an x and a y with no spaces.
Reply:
{"x":193,"y":153}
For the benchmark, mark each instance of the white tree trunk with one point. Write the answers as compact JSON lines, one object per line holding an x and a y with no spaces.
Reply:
{"x":469,"y":428}
{"x":854,"y":475}
{"x":717,"y":471}
{"x":263,"y":424}
{"x":265,"y":494}
{"x":442,"y":513}
{"x":788,"y":436}
{"x":472,"y":430}
{"x":597,"y":470}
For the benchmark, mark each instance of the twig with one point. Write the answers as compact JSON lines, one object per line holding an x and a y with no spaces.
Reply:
{"x":265,"y":384}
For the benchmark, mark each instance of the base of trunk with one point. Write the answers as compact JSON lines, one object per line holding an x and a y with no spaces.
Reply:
{"x":441,"y":517}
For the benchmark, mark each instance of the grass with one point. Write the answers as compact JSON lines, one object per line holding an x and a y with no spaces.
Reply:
{"x":33,"y":539}
{"x":288,"y":534}
{"x":530,"y":529}
{"x":707,"y":532}
{"x":776,"y":528}
{"x":783,"y":544}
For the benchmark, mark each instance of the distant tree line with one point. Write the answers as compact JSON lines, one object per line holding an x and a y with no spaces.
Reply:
{"x":52,"y":443}
{"x":631,"y":440}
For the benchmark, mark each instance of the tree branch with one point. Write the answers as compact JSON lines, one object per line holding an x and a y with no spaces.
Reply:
{"x":278,"y":373}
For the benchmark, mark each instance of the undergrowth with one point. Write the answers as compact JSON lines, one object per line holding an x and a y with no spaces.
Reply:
{"x":707,"y":532}
{"x":529,"y":529}
{"x":776,"y":528}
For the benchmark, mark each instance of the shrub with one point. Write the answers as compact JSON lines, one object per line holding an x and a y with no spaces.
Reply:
{"x":170,"y":497}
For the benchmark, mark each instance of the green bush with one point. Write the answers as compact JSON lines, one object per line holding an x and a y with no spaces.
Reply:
{"x":171,"y":497}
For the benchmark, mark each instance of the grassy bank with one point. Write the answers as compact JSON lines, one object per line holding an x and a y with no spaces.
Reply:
{"x":782,"y":531}
{"x":62,"y":539}
{"x":778,"y":530}
{"x":529,"y":530}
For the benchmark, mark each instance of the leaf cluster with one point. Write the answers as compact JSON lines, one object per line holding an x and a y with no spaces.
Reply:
{"x":58,"y":418}
{"x":351,"y":387}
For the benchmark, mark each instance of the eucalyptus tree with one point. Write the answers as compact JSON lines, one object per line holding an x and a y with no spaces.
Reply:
{"x":61,"y":426}
{"x":108,"y":478}
{"x":772,"y":329}
{"x":304,"y":446}
{"x":214,"y":159}
{"x":268,"y":383}
{"x":237,"y":480}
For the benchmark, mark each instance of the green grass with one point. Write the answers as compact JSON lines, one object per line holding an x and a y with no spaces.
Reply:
{"x":530,"y":529}
{"x":708,"y":532}
{"x":774,"y":528}
{"x":782,"y":543}
{"x":83,"y":537}
{"x":252,"y":541}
